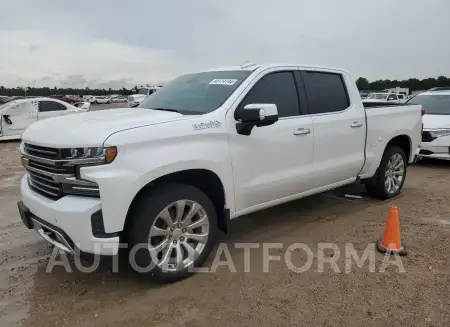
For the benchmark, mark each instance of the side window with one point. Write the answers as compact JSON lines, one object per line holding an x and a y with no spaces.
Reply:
{"x":392,"y":97}
{"x":325,"y":92}
{"x":45,"y":106}
{"x":275,"y":88}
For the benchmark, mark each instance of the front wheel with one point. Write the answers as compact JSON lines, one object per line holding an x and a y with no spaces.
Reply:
{"x":389,"y":180}
{"x":172,"y":232}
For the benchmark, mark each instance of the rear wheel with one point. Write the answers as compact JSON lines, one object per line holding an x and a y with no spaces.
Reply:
{"x":173,"y":231}
{"x":389,"y":180}
{"x":96,"y":102}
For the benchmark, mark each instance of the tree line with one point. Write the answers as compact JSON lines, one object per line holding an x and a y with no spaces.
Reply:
{"x":46,"y":91}
{"x":413,"y":84}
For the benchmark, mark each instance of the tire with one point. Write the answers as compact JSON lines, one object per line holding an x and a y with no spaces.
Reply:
{"x":377,"y":186}
{"x":95,"y":102}
{"x":148,"y":216}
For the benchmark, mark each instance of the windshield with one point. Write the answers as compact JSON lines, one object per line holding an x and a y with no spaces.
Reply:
{"x":433,"y":104}
{"x":378,"y":96}
{"x":143,"y":91}
{"x":197,"y":93}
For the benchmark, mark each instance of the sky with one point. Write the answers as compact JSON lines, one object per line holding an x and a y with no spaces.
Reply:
{"x":116,"y":43}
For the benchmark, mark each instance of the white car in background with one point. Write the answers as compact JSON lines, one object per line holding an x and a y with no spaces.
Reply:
{"x":436,"y":124}
{"x":99,"y":99}
{"x":381,"y":97}
{"x":135,"y":99}
{"x":18,"y":115}
{"x":119,"y":99}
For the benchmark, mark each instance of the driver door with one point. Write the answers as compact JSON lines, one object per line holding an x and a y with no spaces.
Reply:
{"x":274,"y":163}
{"x":17,"y":117}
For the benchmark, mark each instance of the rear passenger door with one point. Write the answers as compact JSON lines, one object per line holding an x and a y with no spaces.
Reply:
{"x":339,"y":128}
{"x":273,"y":162}
{"x":48,"y":109}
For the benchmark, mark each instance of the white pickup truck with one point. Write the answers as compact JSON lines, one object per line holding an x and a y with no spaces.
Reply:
{"x":135,"y":99}
{"x":209,"y":147}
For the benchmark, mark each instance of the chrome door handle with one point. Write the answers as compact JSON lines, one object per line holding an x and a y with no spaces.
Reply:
{"x":302,"y":131}
{"x":356,"y":124}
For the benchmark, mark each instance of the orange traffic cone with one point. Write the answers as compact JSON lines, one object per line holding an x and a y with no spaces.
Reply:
{"x":391,"y":242}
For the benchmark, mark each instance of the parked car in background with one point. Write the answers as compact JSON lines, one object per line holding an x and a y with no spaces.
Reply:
{"x":4,"y":99}
{"x":17,"y":115}
{"x":135,"y":99}
{"x":62,"y":98}
{"x":436,"y":124}
{"x":82,"y":105}
{"x":99,"y":99}
{"x":119,"y":99}
{"x":13,"y":98}
{"x":381,"y":97}
{"x":208,"y":147}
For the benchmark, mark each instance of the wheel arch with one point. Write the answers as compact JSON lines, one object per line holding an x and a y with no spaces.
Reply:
{"x":205,"y":180}
{"x":404,"y":142}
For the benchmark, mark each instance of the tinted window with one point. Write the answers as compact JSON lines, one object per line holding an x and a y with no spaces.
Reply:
{"x":197,"y":93}
{"x":325,"y":92}
{"x":45,"y":106}
{"x":276,"y":88}
{"x":436,"y":104}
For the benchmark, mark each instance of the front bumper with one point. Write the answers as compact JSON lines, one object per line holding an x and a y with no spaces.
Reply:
{"x":132,"y":104}
{"x":434,"y":151}
{"x":68,"y":223}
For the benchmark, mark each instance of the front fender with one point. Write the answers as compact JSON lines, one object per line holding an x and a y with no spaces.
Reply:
{"x":145,"y":154}
{"x":119,"y":186}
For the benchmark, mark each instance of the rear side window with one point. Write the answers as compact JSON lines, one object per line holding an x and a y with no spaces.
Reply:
{"x":275,"y":88}
{"x":325,"y":92}
{"x":392,"y":97}
{"x":45,"y":106}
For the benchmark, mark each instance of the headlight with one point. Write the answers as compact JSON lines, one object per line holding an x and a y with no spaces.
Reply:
{"x":90,"y":155}
{"x":440,"y":132}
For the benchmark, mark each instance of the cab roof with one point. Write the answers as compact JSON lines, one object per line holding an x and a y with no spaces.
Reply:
{"x":253,"y":67}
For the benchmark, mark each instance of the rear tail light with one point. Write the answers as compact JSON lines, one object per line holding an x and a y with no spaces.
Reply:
{"x":423,"y":111}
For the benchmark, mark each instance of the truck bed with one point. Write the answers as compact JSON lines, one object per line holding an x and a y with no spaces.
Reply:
{"x":388,"y":120}
{"x":381,"y":104}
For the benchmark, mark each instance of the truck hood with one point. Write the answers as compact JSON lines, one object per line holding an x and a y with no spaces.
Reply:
{"x":92,"y":128}
{"x":436,"y":121}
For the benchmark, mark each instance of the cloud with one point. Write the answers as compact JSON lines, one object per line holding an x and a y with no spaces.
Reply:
{"x":149,"y":41}
{"x":74,"y":62}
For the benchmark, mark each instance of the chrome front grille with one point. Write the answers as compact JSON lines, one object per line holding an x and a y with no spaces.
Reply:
{"x":45,"y":185}
{"x":43,"y":152}
{"x":52,"y":174}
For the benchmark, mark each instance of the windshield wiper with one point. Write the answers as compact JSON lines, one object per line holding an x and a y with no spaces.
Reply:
{"x":165,"y":109}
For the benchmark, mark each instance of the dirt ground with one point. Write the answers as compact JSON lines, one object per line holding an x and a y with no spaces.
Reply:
{"x":419,"y":296}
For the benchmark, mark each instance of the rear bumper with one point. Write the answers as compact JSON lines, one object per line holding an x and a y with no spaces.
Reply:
{"x":68,"y":223}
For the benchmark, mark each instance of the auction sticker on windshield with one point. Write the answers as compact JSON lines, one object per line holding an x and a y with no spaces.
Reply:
{"x":219,"y":81}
